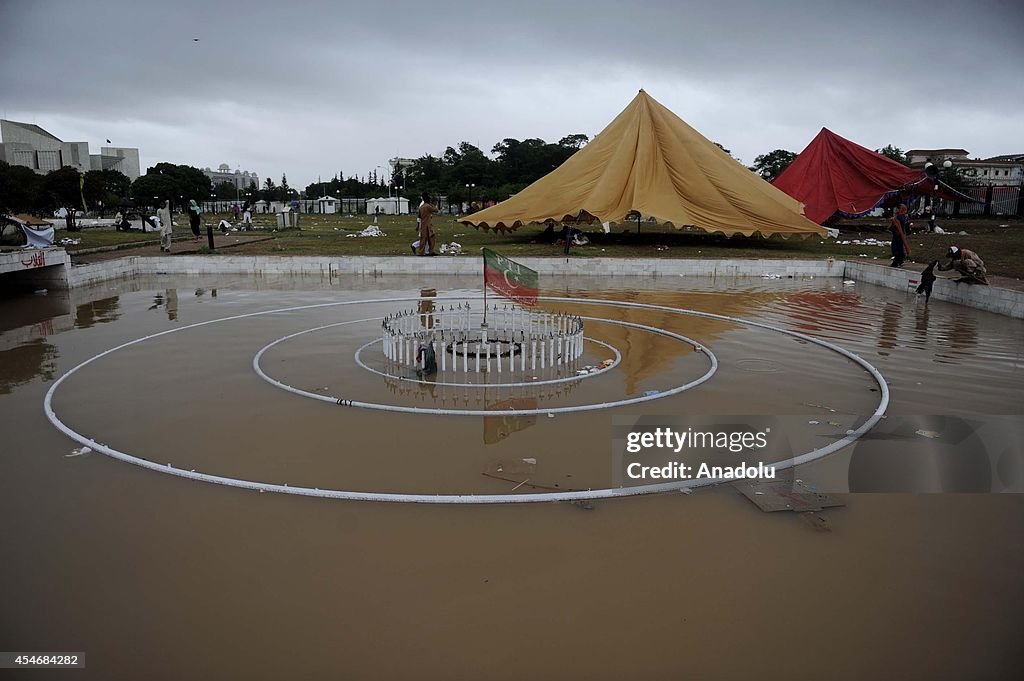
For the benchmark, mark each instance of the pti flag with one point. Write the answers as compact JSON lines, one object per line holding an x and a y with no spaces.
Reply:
{"x":509,"y":278}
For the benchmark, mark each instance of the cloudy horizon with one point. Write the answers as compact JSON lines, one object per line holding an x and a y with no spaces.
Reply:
{"x":312,"y":89}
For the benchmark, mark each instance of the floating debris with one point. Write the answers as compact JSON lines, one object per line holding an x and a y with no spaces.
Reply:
{"x":928,"y":433}
{"x":817,"y":522}
{"x":783,"y":495}
{"x":80,"y":451}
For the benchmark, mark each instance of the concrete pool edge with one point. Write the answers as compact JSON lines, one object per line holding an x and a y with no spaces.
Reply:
{"x":1002,"y":301}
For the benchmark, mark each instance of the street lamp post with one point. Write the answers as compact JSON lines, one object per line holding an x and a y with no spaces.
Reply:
{"x":931,"y":171}
{"x":398,"y":198}
{"x":469,"y":187}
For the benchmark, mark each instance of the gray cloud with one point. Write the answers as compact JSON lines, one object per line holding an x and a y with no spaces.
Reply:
{"x":314,"y":88}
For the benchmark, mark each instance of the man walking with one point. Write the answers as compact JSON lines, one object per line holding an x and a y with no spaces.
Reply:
{"x":426,"y":228}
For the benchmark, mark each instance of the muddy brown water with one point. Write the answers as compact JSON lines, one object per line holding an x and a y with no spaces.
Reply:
{"x":158,"y":577}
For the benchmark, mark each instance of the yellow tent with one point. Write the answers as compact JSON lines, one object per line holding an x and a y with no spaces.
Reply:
{"x":648,"y":161}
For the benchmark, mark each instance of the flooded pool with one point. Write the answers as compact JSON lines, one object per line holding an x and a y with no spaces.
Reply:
{"x":186,"y":579}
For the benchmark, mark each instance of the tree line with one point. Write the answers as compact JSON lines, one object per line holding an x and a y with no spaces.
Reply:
{"x":463,"y":173}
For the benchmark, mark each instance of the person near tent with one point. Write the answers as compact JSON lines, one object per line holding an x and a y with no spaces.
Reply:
{"x":899,"y":225}
{"x":194,"y":211}
{"x":163,"y":214}
{"x":968,"y":264}
{"x":237,"y":211}
{"x":426,"y":228}
{"x":247,"y":219}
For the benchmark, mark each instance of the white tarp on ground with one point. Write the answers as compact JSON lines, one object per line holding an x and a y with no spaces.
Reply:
{"x":38,"y":238}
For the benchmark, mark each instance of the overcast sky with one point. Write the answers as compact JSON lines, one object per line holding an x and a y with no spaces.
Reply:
{"x":311,"y":88}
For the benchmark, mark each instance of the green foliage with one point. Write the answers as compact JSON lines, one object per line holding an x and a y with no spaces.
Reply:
{"x":516,"y":164}
{"x":179,"y":183}
{"x":19,"y":189}
{"x":770,"y":165}
{"x":62,"y":188}
{"x":895,"y":153}
{"x":226,"y":191}
{"x":109,"y":187}
{"x":958,"y":177}
{"x":152,"y":189}
{"x":352,"y":187}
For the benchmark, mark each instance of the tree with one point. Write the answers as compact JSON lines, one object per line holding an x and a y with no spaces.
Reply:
{"x":179,"y":183}
{"x":770,"y":165}
{"x":19,"y":189}
{"x":574,"y":142}
{"x":226,"y":191}
{"x":895,"y":153}
{"x":105,"y":187}
{"x":957,"y":176}
{"x":62,"y":188}
{"x":152,"y":189}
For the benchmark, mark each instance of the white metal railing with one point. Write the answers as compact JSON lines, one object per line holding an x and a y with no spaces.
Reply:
{"x":512,"y":339}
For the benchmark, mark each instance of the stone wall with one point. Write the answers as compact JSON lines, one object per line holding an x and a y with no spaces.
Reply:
{"x":991,"y":299}
{"x":1000,"y":301}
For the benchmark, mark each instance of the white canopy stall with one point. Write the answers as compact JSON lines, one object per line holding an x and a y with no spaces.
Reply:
{"x":388,"y":206}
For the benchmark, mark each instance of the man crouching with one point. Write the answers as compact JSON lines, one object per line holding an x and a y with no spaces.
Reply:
{"x":968,"y":264}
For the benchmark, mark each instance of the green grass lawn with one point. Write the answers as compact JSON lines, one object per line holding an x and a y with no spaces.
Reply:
{"x":1000,"y":242}
{"x":1002,"y":248}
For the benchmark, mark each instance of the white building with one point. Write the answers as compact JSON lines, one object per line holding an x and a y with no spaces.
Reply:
{"x":399,"y":164}
{"x":28,"y":145}
{"x":122,"y":159}
{"x":327,"y":204}
{"x":241,"y":180}
{"x":1007,"y":169}
{"x":387,"y":206}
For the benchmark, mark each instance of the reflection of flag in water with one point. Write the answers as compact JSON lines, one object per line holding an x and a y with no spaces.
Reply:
{"x":509,"y":278}
{"x":497,"y":428}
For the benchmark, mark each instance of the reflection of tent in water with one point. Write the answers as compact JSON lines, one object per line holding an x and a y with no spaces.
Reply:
{"x":647,"y":355}
{"x":97,"y":312}
{"x":497,"y":428}
{"x":815,"y":311}
{"x":649,"y":161}
{"x":835,"y":178}
{"x":27,"y":361}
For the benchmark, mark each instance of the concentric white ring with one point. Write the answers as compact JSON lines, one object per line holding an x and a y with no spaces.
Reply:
{"x":609,"y":493}
{"x":713,"y":361}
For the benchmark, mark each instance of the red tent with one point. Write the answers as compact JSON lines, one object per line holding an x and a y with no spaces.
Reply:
{"x":834,"y":177}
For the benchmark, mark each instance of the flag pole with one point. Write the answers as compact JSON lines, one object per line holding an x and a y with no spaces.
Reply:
{"x":485,"y":288}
